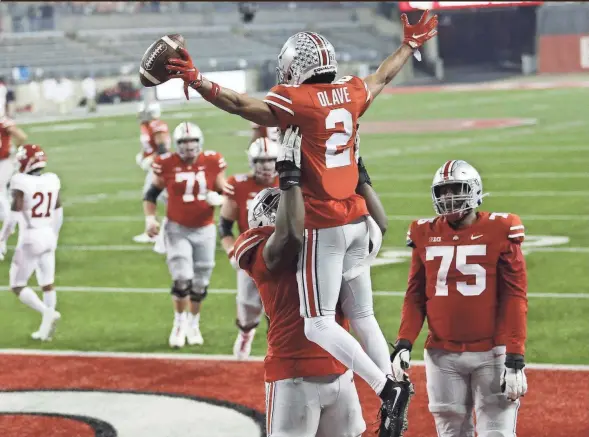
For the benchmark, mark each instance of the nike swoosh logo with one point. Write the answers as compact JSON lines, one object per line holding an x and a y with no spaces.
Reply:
{"x":475,"y":237}
{"x":419,"y":36}
{"x":398,"y":390}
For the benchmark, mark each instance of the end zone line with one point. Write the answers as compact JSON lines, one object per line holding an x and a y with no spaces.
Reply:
{"x":218,"y":357}
{"x":90,"y":289}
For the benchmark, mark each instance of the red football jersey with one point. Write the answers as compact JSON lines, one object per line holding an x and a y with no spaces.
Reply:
{"x":327,"y":115}
{"x":147,"y":137}
{"x":290,"y":354}
{"x":269,"y":132}
{"x":470,"y":283}
{"x":187,"y":186}
{"x":242,"y":188}
{"x":5,"y":123}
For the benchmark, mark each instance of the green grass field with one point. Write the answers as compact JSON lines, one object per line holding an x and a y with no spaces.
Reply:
{"x":539,"y":172}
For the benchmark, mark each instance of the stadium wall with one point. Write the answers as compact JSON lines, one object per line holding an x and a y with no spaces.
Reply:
{"x":563,"y":38}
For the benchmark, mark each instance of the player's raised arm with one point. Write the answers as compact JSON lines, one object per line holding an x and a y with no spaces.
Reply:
{"x":414,"y":36}
{"x":223,"y":98}
{"x":284,"y":244}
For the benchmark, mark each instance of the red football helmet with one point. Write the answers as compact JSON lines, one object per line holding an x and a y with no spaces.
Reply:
{"x":30,"y":157}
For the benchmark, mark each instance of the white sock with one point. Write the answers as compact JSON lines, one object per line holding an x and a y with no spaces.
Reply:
{"x":328,"y":334}
{"x":179,"y":318}
{"x":194,"y":320}
{"x":373,"y":342}
{"x":30,"y":299}
{"x":50,"y":298}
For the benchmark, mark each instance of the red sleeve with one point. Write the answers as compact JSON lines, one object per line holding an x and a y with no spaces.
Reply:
{"x":280,"y":101}
{"x":221,"y":163}
{"x":229,"y":188}
{"x":516,"y":229}
{"x":366,"y":96}
{"x":245,"y":248}
{"x":413,"y":313}
{"x":512,"y":285}
{"x":158,"y":165}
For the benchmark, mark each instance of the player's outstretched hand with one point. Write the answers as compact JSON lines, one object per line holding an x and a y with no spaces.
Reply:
{"x":184,"y":68}
{"x":415,"y":35}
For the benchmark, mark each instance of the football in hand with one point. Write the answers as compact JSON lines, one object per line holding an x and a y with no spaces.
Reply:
{"x":152,"y":70}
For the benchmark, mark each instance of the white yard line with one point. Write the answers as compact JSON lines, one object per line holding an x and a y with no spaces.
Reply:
{"x":201,"y":357}
{"x":90,"y":289}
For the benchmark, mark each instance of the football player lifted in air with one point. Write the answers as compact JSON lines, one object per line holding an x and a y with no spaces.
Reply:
{"x":302,"y":379}
{"x":10,"y":135}
{"x":239,"y":191}
{"x":194,"y":179}
{"x":468,"y":278}
{"x":336,"y":229}
{"x":155,"y":140}
{"x":36,"y":208}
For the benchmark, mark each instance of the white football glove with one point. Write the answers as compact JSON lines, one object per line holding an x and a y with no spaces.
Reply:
{"x":152,"y":227}
{"x":513,"y":380}
{"x":3,"y":250}
{"x":233,"y":263}
{"x":290,"y":149}
{"x":214,"y":199}
{"x":401,"y":359}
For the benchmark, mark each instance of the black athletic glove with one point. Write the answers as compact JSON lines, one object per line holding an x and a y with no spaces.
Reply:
{"x":363,"y":177}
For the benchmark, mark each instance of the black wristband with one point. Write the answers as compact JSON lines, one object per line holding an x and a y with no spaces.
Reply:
{"x":514,"y":361}
{"x":289,"y":175}
{"x":363,"y":177}
{"x":403,"y":344}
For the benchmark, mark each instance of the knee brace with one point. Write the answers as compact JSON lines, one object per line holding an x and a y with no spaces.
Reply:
{"x":198,"y":294}
{"x":181,"y":289}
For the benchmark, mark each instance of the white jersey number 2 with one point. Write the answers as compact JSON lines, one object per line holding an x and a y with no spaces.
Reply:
{"x":462,"y":265}
{"x":42,"y":204}
{"x":333,"y":157}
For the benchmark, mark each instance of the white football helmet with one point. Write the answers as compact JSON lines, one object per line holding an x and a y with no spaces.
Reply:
{"x":305,"y":55}
{"x":464,"y":192}
{"x":262,"y":211}
{"x":148,"y":111}
{"x":188,"y":140}
{"x":262,"y":155}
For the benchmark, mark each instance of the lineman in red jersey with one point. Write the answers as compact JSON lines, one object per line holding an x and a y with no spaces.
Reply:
{"x":336,"y":238}
{"x":194,"y":178}
{"x":468,"y":278}
{"x":10,"y":135}
{"x":239,"y":192}
{"x":155,"y":140}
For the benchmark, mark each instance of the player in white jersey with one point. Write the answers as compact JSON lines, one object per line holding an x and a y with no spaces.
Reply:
{"x":36,"y":208}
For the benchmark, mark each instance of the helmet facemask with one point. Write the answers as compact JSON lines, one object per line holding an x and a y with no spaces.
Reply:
{"x":453,"y":199}
{"x":188,"y":148}
{"x":264,"y":208}
{"x":265,"y":169}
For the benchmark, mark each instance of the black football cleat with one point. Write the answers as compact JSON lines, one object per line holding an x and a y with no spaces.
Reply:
{"x":395,"y":396}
